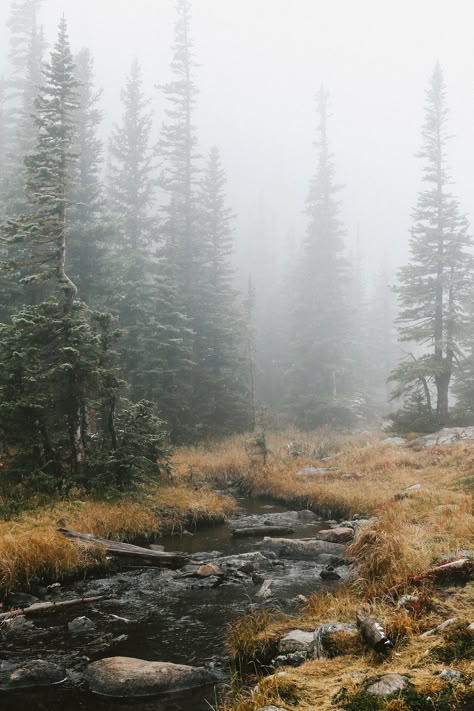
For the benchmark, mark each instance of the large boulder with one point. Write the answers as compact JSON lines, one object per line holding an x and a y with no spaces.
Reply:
{"x":30,"y":674}
{"x":299,"y":549}
{"x":447,"y":435}
{"x":125,"y":677}
{"x":388,"y":684}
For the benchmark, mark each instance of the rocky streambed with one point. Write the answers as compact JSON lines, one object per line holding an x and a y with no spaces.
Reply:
{"x":174,"y":622}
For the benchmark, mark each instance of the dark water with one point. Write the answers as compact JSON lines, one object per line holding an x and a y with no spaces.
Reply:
{"x":188,"y":626}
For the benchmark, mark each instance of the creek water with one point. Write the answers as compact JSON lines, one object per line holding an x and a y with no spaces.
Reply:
{"x":174,"y":622}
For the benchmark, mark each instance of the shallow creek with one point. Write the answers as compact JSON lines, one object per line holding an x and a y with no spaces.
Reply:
{"x":156,"y":614}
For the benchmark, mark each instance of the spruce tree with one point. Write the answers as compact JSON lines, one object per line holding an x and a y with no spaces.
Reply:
{"x":177,"y":151}
{"x":436,"y":285}
{"x":180,"y":228}
{"x":219,"y":400}
{"x":27,"y":47}
{"x":320,"y":375}
{"x":89,"y":226}
{"x":131,"y":185}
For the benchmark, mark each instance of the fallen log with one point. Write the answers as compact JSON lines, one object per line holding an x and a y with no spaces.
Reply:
{"x":39,"y":608}
{"x":373,"y":633}
{"x":262,"y":531}
{"x":136,"y":555}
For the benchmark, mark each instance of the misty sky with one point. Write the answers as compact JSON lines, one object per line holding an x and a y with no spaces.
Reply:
{"x":261,"y":62}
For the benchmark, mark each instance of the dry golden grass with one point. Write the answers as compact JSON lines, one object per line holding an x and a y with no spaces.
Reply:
{"x":404,"y":537}
{"x":31,"y":551}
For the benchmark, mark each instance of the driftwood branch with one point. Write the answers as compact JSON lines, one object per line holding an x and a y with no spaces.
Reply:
{"x":136,"y":555}
{"x":39,"y":608}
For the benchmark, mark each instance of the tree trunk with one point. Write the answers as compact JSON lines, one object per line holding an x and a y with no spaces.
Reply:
{"x":442,"y":403}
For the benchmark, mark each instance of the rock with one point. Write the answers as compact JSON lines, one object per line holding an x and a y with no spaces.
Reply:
{"x":470,"y":628}
{"x":439,"y":628}
{"x":156,"y":547}
{"x":300,"y":600}
{"x":316,"y":471}
{"x":18,"y":624}
{"x":30,"y":674}
{"x":298,"y":549}
{"x":296,"y":641}
{"x":388,"y":684}
{"x":335,"y":638}
{"x":125,"y":677}
{"x":393,"y":441}
{"x":450,"y":674}
{"x":81,"y":625}
{"x":293,"y":659}
{"x":328,"y":573}
{"x":244,"y":562}
{"x":21,"y":600}
{"x":336,"y":535}
{"x":265,"y":591}
{"x":447,"y":435}
{"x":307,"y":515}
{"x":208,"y":569}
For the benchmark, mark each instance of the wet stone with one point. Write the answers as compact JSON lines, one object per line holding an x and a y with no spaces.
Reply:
{"x":30,"y":674}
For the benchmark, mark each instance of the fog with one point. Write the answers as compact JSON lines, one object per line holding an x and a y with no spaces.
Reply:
{"x":260,"y":64}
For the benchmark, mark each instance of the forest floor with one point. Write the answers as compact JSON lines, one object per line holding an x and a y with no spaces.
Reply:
{"x":408,"y":533}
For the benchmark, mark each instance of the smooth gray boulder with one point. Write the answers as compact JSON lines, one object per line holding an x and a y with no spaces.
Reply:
{"x":388,"y":684}
{"x":296,"y":641}
{"x":37,"y":672}
{"x":125,"y":677}
{"x":298,"y":549}
{"x":448,"y":435}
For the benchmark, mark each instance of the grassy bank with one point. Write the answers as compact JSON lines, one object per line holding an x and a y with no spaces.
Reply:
{"x":32,"y":552}
{"x":407,"y":534}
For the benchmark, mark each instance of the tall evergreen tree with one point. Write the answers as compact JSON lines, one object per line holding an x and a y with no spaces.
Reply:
{"x":131,"y":185}
{"x":177,"y":150}
{"x":89,"y":226}
{"x":219,"y":395}
{"x":436,"y":285}
{"x":27,"y":47}
{"x":319,"y":372}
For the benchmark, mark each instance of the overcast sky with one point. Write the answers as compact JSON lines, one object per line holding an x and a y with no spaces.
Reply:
{"x":261,"y":62}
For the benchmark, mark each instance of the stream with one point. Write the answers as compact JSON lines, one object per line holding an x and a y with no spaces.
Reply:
{"x":156,"y":614}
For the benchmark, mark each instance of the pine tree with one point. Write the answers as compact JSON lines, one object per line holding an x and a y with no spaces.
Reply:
{"x":27,"y":48}
{"x":435,"y":286}
{"x":177,"y":151}
{"x":180,"y":229}
{"x":219,"y":404}
{"x":89,"y":226}
{"x":320,"y":374}
{"x":131,"y":185}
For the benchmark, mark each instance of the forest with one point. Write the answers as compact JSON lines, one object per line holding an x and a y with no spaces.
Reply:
{"x":177,"y":388}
